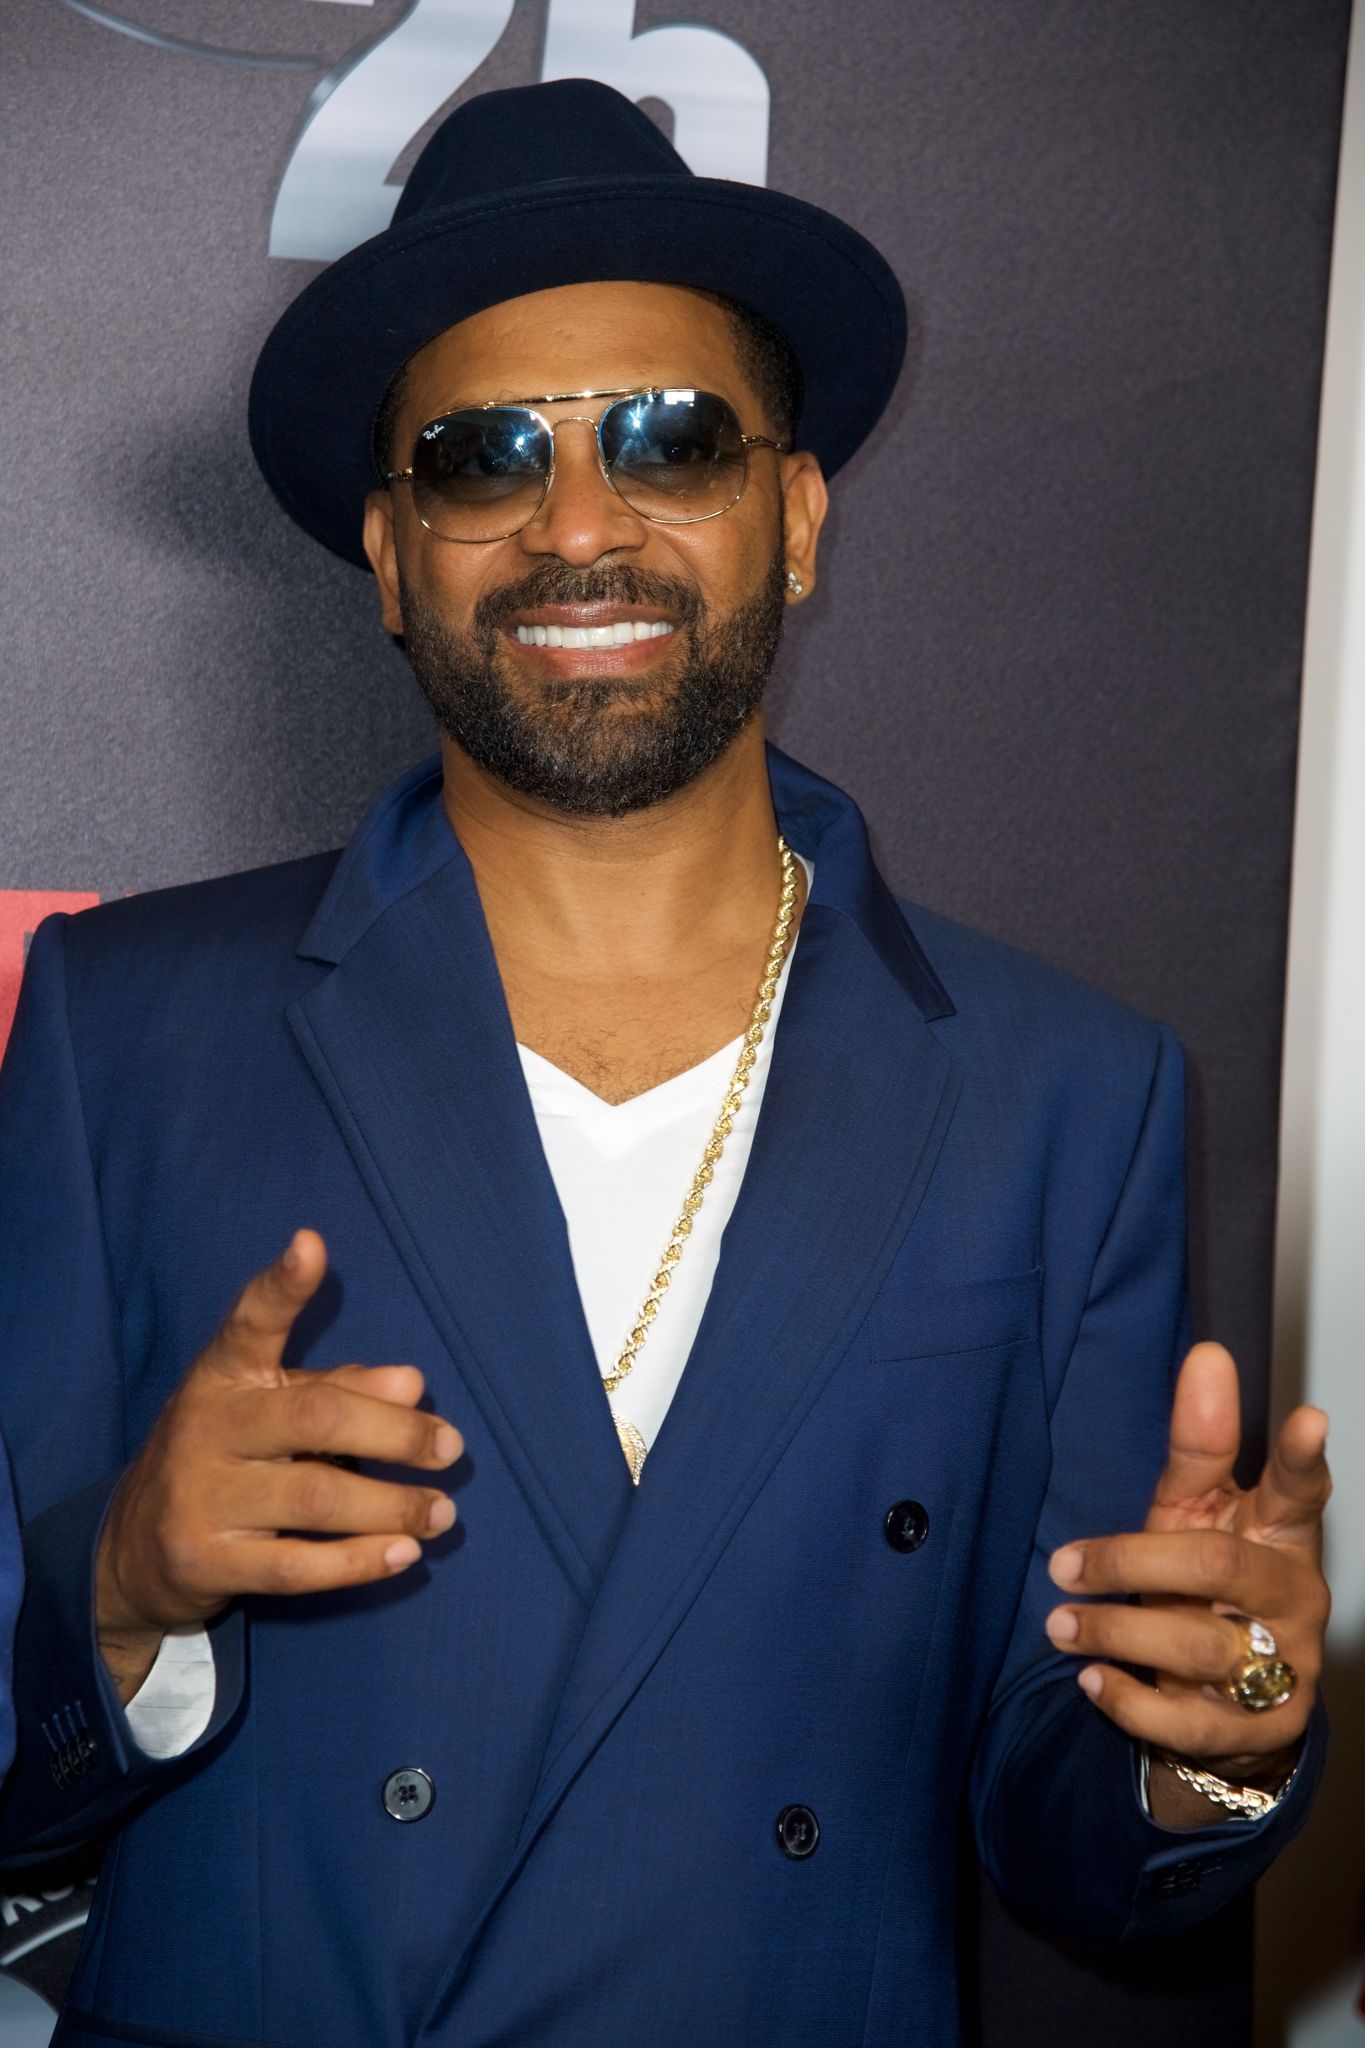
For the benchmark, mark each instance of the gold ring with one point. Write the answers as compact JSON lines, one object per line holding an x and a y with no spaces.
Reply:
{"x":1262,"y":1679}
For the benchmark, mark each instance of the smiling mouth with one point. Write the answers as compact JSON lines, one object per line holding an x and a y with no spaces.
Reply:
{"x":619,"y":633}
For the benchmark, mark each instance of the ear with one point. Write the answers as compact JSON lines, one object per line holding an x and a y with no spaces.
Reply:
{"x":383,"y":558}
{"x":805,"y":501}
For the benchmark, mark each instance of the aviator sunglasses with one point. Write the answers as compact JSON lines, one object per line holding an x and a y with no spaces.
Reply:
{"x":481,"y":473}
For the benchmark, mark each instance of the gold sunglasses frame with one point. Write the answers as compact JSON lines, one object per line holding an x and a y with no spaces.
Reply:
{"x":617,"y":394}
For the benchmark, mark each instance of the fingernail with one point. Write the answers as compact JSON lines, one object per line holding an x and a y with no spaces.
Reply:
{"x":441,"y":1514}
{"x":291,"y":1255}
{"x":1062,"y":1625}
{"x":1091,"y":1681}
{"x":447,"y":1443}
{"x":1067,"y":1565}
{"x":403,"y":1551}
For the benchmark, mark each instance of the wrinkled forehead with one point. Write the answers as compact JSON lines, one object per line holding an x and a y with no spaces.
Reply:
{"x":577,"y":338}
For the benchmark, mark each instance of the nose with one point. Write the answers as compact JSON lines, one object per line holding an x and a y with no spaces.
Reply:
{"x":581,"y":517}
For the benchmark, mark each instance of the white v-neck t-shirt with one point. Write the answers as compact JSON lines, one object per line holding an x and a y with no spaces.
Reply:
{"x":621,"y":1171}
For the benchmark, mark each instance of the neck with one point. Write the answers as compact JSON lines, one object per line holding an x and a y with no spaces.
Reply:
{"x":683,"y":883}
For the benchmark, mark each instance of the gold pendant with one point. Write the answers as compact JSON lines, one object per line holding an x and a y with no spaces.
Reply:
{"x":634,"y":1446}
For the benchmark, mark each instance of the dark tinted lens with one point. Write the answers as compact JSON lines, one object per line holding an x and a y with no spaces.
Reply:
{"x":674,"y":454}
{"x":478,"y":475}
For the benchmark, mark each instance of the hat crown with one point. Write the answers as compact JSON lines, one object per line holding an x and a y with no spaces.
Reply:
{"x":531,"y":135}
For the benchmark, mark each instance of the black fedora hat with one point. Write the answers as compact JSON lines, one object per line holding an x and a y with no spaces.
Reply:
{"x":545,"y":185}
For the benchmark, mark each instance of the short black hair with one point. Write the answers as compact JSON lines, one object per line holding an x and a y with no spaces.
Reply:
{"x":386,"y":419}
{"x":767,"y":363}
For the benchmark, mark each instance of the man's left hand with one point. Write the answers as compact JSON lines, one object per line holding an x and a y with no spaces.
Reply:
{"x":1208,"y":1550}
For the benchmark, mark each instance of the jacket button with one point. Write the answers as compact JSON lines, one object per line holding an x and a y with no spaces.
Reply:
{"x":906,"y":1525}
{"x":798,"y":1832}
{"x":73,"y":1760}
{"x":408,"y":1794}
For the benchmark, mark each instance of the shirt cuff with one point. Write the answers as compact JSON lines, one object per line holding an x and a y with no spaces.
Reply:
{"x":174,"y":1704}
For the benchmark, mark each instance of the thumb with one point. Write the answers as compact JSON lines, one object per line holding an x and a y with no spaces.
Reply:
{"x":1205,"y":1432}
{"x":250,"y":1345}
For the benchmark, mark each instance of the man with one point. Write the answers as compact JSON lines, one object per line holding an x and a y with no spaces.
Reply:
{"x":665,"y":1746}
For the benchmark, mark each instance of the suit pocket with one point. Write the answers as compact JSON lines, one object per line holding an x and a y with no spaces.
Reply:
{"x":911,"y":1319}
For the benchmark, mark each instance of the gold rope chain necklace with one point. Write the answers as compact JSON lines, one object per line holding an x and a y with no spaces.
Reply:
{"x":632,"y":1443}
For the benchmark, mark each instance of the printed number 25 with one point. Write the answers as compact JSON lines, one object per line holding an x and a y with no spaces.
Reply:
{"x":334,"y":192}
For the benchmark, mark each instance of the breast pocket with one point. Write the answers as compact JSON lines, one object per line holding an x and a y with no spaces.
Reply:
{"x":912,"y":1318}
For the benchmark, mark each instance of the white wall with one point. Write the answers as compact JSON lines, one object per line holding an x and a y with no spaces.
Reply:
{"x":1311,"y":1909}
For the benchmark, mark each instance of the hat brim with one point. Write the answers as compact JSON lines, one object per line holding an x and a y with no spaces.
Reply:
{"x":323,"y":371}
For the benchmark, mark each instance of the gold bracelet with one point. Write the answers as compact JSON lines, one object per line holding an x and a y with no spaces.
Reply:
{"x":1244,"y":1800}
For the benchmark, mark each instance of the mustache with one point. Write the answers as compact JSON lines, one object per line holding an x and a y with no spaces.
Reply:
{"x":608,"y":583}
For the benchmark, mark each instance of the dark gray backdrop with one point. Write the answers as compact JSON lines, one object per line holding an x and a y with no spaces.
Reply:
{"x":1055,"y":651}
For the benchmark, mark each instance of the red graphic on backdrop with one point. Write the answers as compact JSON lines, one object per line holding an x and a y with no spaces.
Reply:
{"x":21,"y":913}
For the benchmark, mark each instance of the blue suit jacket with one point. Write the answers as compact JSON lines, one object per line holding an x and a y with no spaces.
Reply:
{"x":954,"y":1275}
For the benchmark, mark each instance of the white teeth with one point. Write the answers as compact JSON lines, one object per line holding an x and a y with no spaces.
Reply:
{"x":622,"y":634}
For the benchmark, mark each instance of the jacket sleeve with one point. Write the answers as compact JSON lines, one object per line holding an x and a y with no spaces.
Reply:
{"x":1055,"y":1796}
{"x":77,"y":1769}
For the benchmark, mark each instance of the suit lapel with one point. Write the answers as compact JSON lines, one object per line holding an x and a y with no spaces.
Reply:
{"x":859,"y":1098}
{"x":409,"y":1040}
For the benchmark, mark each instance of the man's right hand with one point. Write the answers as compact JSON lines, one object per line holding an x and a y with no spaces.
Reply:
{"x":238,"y":1461}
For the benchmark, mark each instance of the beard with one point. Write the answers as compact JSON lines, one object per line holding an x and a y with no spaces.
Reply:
{"x":598,"y":747}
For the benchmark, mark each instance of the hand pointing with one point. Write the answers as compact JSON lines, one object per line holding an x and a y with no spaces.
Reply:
{"x":1208,"y":1549}
{"x":238,"y":1461}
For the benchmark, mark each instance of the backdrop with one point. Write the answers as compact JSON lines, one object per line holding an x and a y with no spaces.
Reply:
{"x":1056,"y":648}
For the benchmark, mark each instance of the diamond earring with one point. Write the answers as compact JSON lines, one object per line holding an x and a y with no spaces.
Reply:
{"x":794,"y":583}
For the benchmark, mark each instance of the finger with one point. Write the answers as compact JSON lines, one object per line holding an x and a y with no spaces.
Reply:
{"x":1188,"y":1643}
{"x":1293,"y":1489}
{"x":1190,"y":1723}
{"x":289,"y":1565}
{"x":1205,"y":1431}
{"x":307,"y":1494}
{"x":404,"y":1385}
{"x":315,"y":1416}
{"x":1207,"y":1564}
{"x":251,"y":1342}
